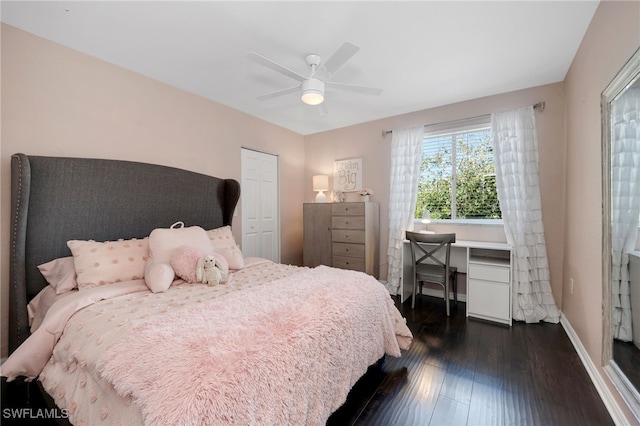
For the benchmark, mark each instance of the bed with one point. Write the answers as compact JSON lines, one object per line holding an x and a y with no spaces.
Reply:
{"x":276,"y":344}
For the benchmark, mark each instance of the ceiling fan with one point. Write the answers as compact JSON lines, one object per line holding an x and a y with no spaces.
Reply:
{"x":312,"y":87}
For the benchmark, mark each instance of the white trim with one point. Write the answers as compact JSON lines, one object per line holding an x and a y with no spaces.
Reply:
{"x":624,"y":386}
{"x":475,"y":222}
{"x":605,"y":394}
{"x":434,"y":292}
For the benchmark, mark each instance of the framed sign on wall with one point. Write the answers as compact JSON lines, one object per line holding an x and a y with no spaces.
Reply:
{"x":347,"y":175}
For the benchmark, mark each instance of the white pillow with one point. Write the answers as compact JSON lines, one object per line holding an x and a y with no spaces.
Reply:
{"x":162,"y":243}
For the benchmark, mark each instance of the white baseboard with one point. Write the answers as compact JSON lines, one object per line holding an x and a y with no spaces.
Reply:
{"x":605,"y":394}
{"x":439,"y":293}
{"x":435,"y":293}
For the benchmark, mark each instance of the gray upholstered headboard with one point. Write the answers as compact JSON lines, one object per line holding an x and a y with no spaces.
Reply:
{"x":56,"y":199}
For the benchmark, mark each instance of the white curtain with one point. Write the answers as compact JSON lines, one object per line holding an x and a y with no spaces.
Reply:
{"x":515,"y":145}
{"x":625,"y":204}
{"x":406,"y":156}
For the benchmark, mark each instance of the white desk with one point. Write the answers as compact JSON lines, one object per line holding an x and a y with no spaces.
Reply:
{"x":489,"y":272}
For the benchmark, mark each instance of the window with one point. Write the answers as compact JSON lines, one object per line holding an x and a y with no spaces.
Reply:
{"x":457,"y":175}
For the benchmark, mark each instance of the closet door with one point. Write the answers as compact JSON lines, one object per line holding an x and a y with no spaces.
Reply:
{"x":260,"y":206}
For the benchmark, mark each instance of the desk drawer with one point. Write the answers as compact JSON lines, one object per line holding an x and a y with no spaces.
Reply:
{"x":489,"y":272}
{"x":352,"y":263}
{"x":347,"y":222}
{"x":347,"y":236}
{"x":350,"y":250}
{"x":489,"y":299}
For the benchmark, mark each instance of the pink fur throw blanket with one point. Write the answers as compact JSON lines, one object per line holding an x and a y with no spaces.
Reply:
{"x":283,"y":353}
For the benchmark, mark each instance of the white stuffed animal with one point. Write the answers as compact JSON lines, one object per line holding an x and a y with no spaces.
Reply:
{"x":208,"y":272}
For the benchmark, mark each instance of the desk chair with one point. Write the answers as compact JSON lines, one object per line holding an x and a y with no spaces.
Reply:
{"x":427,"y":267}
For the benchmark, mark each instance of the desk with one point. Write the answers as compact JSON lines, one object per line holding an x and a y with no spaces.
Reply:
{"x":488,"y":269}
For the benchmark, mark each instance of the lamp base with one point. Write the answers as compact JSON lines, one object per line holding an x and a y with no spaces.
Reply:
{"x":321,"y":198}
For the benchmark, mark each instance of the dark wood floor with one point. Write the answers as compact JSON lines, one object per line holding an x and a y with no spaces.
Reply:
{"x":462,"y":371}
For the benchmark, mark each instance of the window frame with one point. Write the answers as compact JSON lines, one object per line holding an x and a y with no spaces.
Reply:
{"x":452,"y":128}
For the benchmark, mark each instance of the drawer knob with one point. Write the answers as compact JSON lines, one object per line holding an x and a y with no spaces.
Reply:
{"x":347,"y":250}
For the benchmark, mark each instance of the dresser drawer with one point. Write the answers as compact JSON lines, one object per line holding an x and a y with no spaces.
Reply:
{"x":352,"y":263}
{"x":347,"y":236}
{"x":350,"y":250}
{"x":347,"y":209}
{"x":347,"y":222}
{"x":497,"y":273}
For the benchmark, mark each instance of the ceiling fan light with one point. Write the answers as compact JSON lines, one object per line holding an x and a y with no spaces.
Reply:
{"x":313,"y":91}
{"x":312,"y":97}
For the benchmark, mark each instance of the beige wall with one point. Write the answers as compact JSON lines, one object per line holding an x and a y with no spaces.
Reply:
{"x":613,"y":36}
{"x":366,"y":141}
{"x":56,"y":101}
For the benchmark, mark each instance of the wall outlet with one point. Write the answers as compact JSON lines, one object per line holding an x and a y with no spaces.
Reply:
{"x":571,"y":285}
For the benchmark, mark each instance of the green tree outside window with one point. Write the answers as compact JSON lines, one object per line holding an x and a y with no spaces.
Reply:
{"x":457,"y":177}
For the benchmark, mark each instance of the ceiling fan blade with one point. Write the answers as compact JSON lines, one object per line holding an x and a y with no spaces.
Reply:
{"x":353,"y":88}
{"x":278,"y":93}
{"x":338,"y":59}
{"x":322,"y":109}
{"x":275,"y":66}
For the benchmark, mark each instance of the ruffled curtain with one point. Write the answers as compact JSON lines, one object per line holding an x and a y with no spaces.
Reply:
{"x":406,"y":156}
{"x":515,"y":145}
{"x":625,"y":204}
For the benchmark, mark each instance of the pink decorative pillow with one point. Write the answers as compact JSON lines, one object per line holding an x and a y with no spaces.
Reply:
{"x":39,"y":305}
{"x":223,"y":242}
{"x":163,"y":242}
{"x":60,"y":274}
{"x":184,"y":261}
{"x":100,"y":263}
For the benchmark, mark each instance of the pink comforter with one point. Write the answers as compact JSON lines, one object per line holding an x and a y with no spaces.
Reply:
{"x":290,"y":355}
{"x":30,"y":358}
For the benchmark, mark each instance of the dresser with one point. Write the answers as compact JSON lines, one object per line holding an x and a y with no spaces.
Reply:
{"x":343,"y":235}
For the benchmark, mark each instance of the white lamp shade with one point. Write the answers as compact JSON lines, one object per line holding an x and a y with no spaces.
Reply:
{"x":313,"y":92}
{"x":311,"y":97}
{"x":321,"y":183}
{"x":426,"y":216}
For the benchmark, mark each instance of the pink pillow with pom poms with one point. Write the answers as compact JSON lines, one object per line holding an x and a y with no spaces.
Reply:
{"x":184,"y":261}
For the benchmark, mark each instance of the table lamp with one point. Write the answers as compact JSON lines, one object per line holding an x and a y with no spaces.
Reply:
{"x":321,"y":184}
{"x":426,"y":219}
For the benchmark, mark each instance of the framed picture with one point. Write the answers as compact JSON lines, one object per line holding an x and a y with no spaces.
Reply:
{"x":347,"y":175}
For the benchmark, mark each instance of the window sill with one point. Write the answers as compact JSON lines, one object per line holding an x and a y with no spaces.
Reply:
{"x":472,"y":222}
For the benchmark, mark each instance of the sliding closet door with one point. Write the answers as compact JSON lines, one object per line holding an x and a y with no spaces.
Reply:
{"x":260,"y":212}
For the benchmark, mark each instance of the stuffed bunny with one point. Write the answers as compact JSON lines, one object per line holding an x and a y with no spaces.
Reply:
{"x":208,"y":272}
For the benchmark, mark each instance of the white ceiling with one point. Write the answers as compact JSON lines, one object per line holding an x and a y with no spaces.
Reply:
{"x":421,"y":53}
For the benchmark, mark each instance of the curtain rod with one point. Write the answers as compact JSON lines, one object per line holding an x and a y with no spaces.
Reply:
{"x":538,"y":107}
